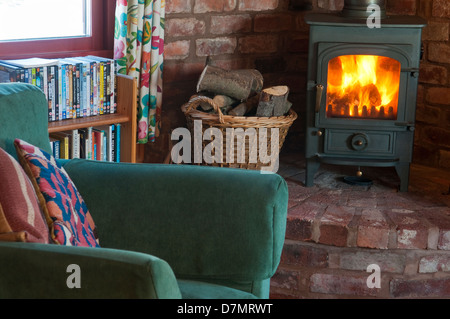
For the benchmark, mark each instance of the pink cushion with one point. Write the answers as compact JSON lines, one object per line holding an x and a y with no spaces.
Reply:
{"x":70,"y":220}
{"x":21,"y":218}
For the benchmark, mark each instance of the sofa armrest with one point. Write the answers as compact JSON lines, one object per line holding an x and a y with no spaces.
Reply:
{"x":29,"y":270}
{"x":208,"y":222}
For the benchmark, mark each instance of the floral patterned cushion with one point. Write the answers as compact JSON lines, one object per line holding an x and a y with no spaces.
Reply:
{"x":70,"y":221}
{"x":21,"y":218}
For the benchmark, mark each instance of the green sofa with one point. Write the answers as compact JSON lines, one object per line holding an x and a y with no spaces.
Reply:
{"x":199,"y":232}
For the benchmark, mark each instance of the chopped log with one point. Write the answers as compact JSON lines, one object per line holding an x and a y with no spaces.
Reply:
{"x":272,"y":101}
{"x":238,"y":84}
{"x":223,"y":100}
{"x":287,"y":107}
{"x":258,"y":80}
{"x":239,"y":110}
{"x":225,"y":109}
{"x":245,"y":107}
{"x":252,"y":102}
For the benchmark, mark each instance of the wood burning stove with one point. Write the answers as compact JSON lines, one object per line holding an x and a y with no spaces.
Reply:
{"x":362,"y":88}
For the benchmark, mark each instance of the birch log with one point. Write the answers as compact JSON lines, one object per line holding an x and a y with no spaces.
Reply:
{"x":272,"y":101}
{"x":238,"y":84}
{"x":223,"y":100}
{"x":245,"y":107}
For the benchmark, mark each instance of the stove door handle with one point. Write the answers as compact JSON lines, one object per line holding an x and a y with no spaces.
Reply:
{"x":408,"y":125}
{"x":404,"y":123}
{"x":319,"y":93}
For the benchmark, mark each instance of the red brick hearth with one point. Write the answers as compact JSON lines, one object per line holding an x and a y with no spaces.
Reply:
{"x":335,"y":231}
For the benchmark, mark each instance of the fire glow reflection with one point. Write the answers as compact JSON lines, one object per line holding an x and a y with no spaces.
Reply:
{"x":363,"y":86}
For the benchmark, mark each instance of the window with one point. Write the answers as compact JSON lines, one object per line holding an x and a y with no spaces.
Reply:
{"x":31,"y":19}
{"x":56,"y":28}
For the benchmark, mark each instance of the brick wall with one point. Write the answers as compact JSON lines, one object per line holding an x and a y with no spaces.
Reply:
{"x":319,"y":271}
{"x":271,"y":36}
{"x":266,"y":35}
{"x":432,"y":142}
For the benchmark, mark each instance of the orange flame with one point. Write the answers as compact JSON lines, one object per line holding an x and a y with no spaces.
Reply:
{"x":363,"y":86}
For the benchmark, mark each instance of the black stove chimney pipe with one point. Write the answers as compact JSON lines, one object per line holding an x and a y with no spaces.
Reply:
{"x":360,"y":8}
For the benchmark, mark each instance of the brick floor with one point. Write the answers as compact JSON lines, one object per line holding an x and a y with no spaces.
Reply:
{"x":378,"y":216}
{"x":336,"y":232}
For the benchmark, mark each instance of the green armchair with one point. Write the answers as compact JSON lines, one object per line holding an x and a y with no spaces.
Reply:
{"x":199,"y":232}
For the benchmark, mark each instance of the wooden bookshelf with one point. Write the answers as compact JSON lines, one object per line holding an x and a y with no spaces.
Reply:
{"x":126,"y":115}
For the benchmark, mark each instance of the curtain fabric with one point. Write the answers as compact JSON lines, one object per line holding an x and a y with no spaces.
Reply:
{"x":138,"y":50}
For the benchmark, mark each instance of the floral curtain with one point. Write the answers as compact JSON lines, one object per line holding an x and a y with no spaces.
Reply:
{"x":138,"y":50}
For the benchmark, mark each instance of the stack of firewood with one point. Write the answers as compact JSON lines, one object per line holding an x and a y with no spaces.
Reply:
{"x":241,"y":93}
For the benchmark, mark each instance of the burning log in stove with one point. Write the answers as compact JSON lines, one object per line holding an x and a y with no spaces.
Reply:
{"x":363,"y":86}
{"x":346,"y":111}
{"x":241,"y":93}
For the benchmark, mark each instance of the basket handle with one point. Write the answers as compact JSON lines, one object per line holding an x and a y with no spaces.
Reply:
{"x":197,"y":99}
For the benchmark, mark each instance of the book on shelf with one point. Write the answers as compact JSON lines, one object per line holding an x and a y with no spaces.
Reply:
{"x":100,"y":143}
{"x":75,"y":149}
{"x":55,"y":145}
{"x":11,"y":73}
{"x":109,"y":84}
{"x":109,"y":142}
{"x":69,"y":142}
{"x":64,"y":144}
{"x":117,"y":143}
{"x":98,"y":151}
{"x":31,"y":62}
{"x":74,"y":87}
{"x":85,"y":142}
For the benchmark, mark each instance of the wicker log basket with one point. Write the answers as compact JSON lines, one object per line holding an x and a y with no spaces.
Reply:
{"x":223,"y":122}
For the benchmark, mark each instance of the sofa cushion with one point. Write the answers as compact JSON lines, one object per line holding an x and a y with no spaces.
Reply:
{"x":191,"y":289}
{"x":21,"y":218}
{"x":69,"y":219}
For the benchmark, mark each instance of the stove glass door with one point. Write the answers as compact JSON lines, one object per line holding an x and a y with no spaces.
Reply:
{"x":363,"y":87}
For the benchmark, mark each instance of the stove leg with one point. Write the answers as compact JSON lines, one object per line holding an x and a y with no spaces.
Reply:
{"x":312,"y":166}
{"x":403,"y":172}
